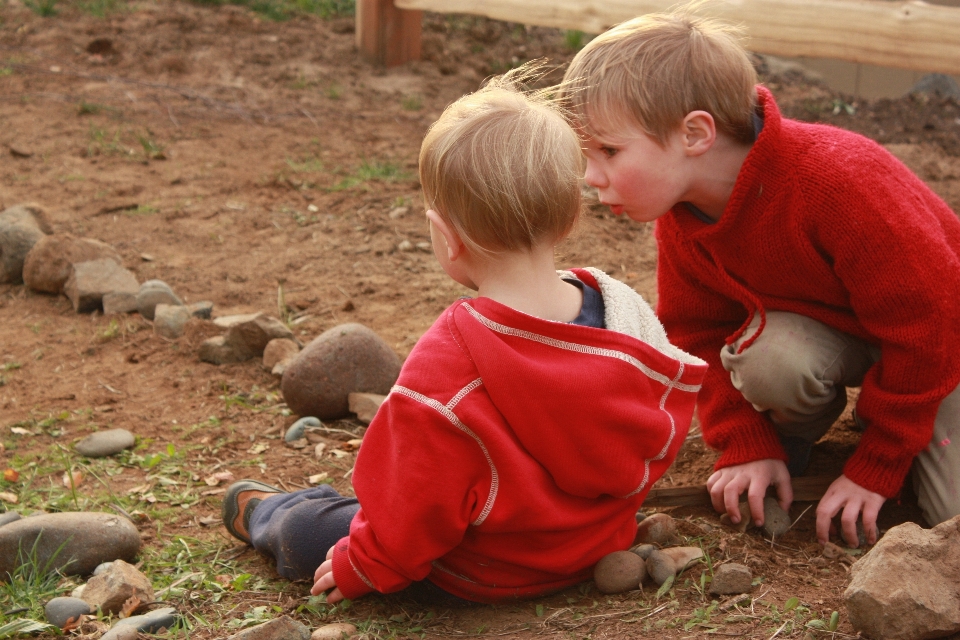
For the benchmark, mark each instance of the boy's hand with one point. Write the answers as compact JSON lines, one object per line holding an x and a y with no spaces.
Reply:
{"x":726,"y":485}
{"x":845,"y":494}
{"x":324,"y":580}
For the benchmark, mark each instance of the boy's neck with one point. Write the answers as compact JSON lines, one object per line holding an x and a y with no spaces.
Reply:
{"x":716,"y":173}
{"x":527,"y":281}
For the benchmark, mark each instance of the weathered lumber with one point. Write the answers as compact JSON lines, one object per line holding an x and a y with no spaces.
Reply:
{"x":805,"y":489}
{"x":386,"y":34}
{"x":908,"y":35}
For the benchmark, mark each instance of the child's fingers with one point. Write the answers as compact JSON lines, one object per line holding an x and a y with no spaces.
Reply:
{"x":324,"y":583}
{"x":325,"y":567}
{"x":334,"y":596}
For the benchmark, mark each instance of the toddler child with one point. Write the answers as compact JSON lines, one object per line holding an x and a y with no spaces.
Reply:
{"x":527,"y":424}
{"x":796,"y":259}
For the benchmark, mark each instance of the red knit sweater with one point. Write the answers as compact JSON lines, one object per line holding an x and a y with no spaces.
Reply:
{"x":512,"y":454}
{"x":824,"y":223}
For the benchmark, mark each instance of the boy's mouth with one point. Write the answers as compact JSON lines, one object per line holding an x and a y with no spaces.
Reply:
{"x":617,"y":209}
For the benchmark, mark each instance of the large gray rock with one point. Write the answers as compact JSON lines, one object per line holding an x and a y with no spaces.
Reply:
{"x":105,"y":443}
{"x":906,"y":586}
{"x":153,"y":622}
{"x":341,"y":360}
{"x":282,"y":628}
{"x":87,"y":539}
{"x":111,"y":588}
{"x":59,"y":611}
{"x":154,"y":292}
{"x":21,"y":227}
{"x":47,"y":265}
{"x":90,"y":281}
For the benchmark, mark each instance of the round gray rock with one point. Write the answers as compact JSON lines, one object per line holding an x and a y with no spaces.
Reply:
{"x":618,"y":572}
{"x":87,"y":539}
{"x":105,"y":443}
{"x":60,"y":610}
{"x":298,"y":429}
{"x":347,"y":358}
{"x":643,"y":550}
{"x":660,"y":566}
{"x":776,"y":521}
{"x":152,"y":293}
{"x":8,"y":517}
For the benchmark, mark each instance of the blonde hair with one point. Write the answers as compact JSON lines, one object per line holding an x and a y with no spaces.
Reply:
{"x":503,"y":167}
{"x":650,"y":72}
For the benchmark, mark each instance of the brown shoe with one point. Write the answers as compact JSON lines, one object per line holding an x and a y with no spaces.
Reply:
{"x":238,"y":504}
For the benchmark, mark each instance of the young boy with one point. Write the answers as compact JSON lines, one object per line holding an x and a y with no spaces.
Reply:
{"x":527,"y":424}
{"x":796,"y":259}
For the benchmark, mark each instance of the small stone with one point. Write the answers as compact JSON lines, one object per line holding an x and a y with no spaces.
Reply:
{"x":282,"y":628}
{"x":105,"y":443}
{"x":746,"y":518}
{"x":152,"y":622}
{"x":248,"y":335}
{"x":660,"y":566}
{"x":344,"y":359}
{"x":832,"y":551}
{"x":121,"y":632}
{"x":47,"y":266}
{"x":116,"y":585}
{"x":618,"y":572}
{"x":365,"y":405}
{"x":683,"y":557}
{"x":64,"y":608}
{"x":731,"y":578}
{"x":279,"y":350}
{"x":659,"y":529}
{"x":641,"y":516}
{"x":643,"y":550}
{"x":21,"y":227}
{"x":398,"y":212}
{"x":426,"y":247}
{"x":336,"y":631}
{"x":103,"y":566}
{"x":154,"y":292}
{"x":119,"y":302}
{"x":776,"y":521}
{"x":299,"y":428}
{"x":215,"y":350}
{"x":8,"y":517}
{"x":202,"y":309}
{"x":90,"y":281}
{"x":78,"y":592}
{"x":937,"y":84}
{"x":406,"y":246}
{"x":73,"y":542}
{"x":170,"y":320}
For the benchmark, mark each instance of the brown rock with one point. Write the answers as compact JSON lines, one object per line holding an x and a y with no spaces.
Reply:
{"x":618,"y":572}
{"x":684,"y":557}
{"x":906,"y":585}
{"x":282,"y":628}
{"x":746,"y":518}
{"x":659,"y":529}
{"x":660,"y":566}
{"x":731,"y":578}
{"x":335,"y":631}
{"x":365,"y":405}
{"x":279,"y":350}
{"x":21,"y":227}
{"x":341,"y":360}
{"x":90,"y":281}
{"x":47,"y":265}
{"x":776,"y":521}
{"x":110,"y":589}
{"x":215,"y":350}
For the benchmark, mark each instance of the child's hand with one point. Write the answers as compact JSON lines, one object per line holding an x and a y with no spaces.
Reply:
{"x":324,"y":580}
{"x":726,"y":485}
{"x":845,"y":494}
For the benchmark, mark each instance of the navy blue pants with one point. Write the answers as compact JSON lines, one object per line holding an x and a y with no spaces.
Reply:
{"x":297,"y":529}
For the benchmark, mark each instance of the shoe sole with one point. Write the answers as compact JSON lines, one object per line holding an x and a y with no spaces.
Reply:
{"x":231,"y":506}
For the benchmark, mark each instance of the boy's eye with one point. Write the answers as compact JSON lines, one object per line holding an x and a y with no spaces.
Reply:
{"x":608,"y":151}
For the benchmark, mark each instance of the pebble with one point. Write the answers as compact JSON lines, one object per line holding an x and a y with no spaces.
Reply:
{"x":169,"y":320}
{"x":398,"y":212}
{"x":746,"y":518}
{"x":660,"y":566}
{"x":91,"y":280}
{"x":8,"y":517}
{"x":658,"y":529}
{"x":153,"y":622}
{"x":832,"y":551}
{"x":103,"y":566}
{"x":74,"y":542}
{"x":731,"y":578}
{"x":152,"y":293}
{"x":643,"y":550}
{"x":618,"y":572}
{"x":120,"y":582}
{"x":277,"y":351}
{"x":282,"y":628}
{"x":299,"y":428}
{"x":105,"y":443}
{"x":776,"y":521}
{"x":406,"y":246}
{"x":684,"y":557}
{"x":347,"y":358}
{"x":641,"y":516}
{"x":59,"y":610}
{"x":336,"y":631}
{"x":202,"y":309}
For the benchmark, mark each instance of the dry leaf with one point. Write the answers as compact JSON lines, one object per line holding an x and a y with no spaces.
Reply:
{"x":20,"y":431}
{"x":72,"y":479}
{"x":73,"y":623}
{"x":318,"y":478}
{"x":209,"y":521}
{"x":11,"y":475}
{"x":213,"y":492}
{"x":129,"y":606}
{"x":352,"y":445}
{"x":6,"y":496}
{"x":339,"y":453}
{"x":258,"y":448}
{"x":217,"y":478}
{"x":225,"y":580}
{"x":2,"y":448}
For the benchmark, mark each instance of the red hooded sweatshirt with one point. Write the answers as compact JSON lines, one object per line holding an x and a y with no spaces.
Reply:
{"x":513,"y":452}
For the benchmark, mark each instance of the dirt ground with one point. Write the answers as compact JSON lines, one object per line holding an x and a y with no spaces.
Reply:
{"x":234,"y":157}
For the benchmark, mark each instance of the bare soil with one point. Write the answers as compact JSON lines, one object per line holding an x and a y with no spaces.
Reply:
{"x":232,"y":156}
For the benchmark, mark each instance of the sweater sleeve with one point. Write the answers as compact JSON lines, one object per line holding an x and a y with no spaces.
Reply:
{"x":421,"y":481}
{"x":698,"y":319}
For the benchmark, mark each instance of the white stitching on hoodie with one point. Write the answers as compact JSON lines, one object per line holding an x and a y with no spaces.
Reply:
{"x":360,"y":575}
{"x":446,"y":412}
{"x":460,"y":394}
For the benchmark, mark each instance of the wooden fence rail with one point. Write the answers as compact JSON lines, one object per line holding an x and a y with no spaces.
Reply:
{"x":908,"y":35}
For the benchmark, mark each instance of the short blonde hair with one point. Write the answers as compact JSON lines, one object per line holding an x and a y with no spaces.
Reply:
{"x":650,"y":72}
{"x":503,"y":167}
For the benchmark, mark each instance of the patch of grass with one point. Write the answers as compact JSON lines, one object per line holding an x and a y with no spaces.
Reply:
{"x":12,"y":366}
{"x":280,"y":10}
{"x":574,"y":39}
{"x":45,"y":8}
{"x":88,"y":108}
{"x":22,"y":596}
{"x":5,"y":71}
{"x":311,"y":164}
{"x":152,"y":149}
{"x":369,"y":171}
{"x":413,"y":102}
{"x":334,"y":91}
{"x":101,"y":8}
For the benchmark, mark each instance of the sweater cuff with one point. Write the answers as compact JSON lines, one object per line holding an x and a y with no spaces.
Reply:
{"x":350,"y":581}
{"x":880,"y":476}
{"x":749,"y":444}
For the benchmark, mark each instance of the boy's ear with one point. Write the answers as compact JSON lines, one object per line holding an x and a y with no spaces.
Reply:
{"x":451,"y":238}
{"x":699,"y":132}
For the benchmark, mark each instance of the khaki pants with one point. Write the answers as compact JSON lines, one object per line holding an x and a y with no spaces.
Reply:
{"x":797,"y":372}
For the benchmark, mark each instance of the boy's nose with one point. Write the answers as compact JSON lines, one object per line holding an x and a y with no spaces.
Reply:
{"x":593,"y":176}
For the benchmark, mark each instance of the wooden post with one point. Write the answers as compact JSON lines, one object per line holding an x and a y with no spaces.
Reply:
{"x":387,"y":35}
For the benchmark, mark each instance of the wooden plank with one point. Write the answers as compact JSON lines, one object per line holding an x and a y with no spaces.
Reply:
{"x":907,"y":35}
{"x":386,"y":34}
{"x":805,"y":489}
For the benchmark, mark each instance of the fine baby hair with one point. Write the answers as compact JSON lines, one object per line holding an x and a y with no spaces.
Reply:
{"x":503,"y":166}
{"x":648,"y":73}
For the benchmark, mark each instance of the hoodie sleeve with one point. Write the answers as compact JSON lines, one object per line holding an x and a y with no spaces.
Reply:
{"x":421,"y":480}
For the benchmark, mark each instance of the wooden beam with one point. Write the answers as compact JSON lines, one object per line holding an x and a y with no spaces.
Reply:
{"x":805,"y":489}
{"x":907,"y":35}
{"x":386,"y":34}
